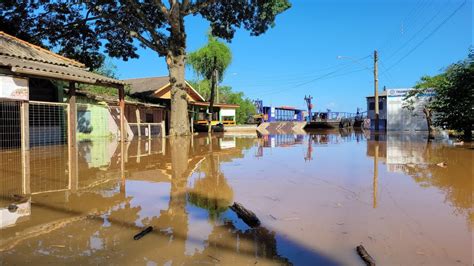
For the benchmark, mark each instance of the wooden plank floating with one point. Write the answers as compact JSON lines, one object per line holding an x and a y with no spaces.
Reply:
{"x":246,"y":215}
{"x":369,"y":261}
{"x":143,"y":233}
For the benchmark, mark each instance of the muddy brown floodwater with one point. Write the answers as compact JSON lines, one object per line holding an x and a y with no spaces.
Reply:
{"x":318,"y":196}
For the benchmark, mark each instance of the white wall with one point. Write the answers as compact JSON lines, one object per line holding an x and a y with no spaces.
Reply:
{"x":402,"y":119}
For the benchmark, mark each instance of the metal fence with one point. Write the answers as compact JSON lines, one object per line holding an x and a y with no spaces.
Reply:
{"x":10,"y":123}
{"x":48,"y":123}
{"x":147,"y":130}
{"x":10,"y":173}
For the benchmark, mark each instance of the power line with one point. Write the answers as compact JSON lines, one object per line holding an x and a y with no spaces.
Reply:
{"x":298,"y":83}
{"x":417,"y":33}
{"x":407,"y":20}
{"x":429,"y":35}
{"x":327,"y":76}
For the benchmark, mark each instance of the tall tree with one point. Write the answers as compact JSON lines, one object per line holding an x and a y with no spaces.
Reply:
{"x":211,"y":62}
{"x":453,"y":101}
{"x":82,"y":28}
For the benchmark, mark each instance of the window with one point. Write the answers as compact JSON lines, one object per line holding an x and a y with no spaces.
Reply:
{"x":84,"y":121}
{"x":371,"y":106}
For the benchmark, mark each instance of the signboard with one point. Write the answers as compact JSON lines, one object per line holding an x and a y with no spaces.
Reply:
{"x":14,"y":88}
{"x":403,"y":92}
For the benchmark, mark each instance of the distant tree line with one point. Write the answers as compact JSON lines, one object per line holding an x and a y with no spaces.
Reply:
{"x":226,"y":95}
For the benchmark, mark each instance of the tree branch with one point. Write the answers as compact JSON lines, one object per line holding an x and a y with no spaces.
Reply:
{"x":156,"y":46}
{"x":163,"y":8}
{"x":149,"y":27}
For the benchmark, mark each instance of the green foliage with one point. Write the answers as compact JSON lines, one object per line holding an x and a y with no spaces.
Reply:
{"x":203,"y":87}
{"x":454,"y":99}
{"x":83,"y":30}
{"x":215,"y":55}
{"x":226,"y":95}
{"x":246,"y":109}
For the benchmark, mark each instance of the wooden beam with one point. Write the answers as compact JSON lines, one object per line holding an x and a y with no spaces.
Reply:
{"x":25,"y":125}
{"x":72,"y":115}
{"x":137,"y":114}
{"x":25,"y":147}
{"x":72,"y":138}
{"x":122,"y":112}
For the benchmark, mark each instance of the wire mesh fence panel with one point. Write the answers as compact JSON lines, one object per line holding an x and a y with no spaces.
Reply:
{"x":10,"y":122}
{"x":48,"y":123}
{"x":49,"y":168}
{"x":10,"y":173}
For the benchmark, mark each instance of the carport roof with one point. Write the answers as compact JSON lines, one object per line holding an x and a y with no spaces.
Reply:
{"x":27,"y":59}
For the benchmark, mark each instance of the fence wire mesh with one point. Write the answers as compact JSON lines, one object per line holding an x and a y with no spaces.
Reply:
{"x":10,"y":173}
{"x":10,"y":122}
{"x":48,"y":123}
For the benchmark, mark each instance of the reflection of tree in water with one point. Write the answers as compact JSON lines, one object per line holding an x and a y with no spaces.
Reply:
{"x":455,"y":180}
{"x":253,"y":244}
{"x":107,"y":236}
{"x":212,"y":192}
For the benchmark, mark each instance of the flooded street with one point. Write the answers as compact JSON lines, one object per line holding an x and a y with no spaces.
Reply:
{"x":317,"y":195}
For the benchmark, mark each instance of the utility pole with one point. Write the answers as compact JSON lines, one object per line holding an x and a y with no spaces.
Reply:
{"x":376,"y":90}
{"x":310,"y":105}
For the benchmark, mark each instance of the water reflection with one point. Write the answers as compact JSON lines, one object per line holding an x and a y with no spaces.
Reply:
{"x":84,"y":205}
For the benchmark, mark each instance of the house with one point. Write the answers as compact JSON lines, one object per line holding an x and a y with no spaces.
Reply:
{"x":32,"y":83}
{"x":392,"y":114}
{"x":158,"y":90}
{"x":382,"y":110}
{"x":96,"y":116}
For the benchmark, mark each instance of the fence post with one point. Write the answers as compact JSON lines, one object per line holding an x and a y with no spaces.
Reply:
{"x":25,"y":146}
{"x":137,"y":114}
{"x":72,"y":115}
{"x":149,"y":131}
{"x":163,"y":129}
{"x":122,"y":112}
{"x":72,"y":137}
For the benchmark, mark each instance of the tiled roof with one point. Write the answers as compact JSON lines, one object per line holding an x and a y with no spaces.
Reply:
{"x":25,"y":58}
{"x":141,"y":85}
{"x":154,"y":86}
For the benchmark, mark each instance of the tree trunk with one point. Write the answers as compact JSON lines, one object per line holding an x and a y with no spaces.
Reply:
{"x":211,"y":101}
{"x":175,"y":59}
{"x":429,"y":122}
{"x":179,"y":124}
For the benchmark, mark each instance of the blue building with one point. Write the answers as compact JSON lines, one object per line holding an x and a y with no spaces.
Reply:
{"x":282,"y":113}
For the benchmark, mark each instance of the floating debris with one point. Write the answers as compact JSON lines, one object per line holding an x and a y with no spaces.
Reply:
{"x":369,"y":261}
{"x":143,"y":233}
{"x":246,"y":215}
{"x":273,"y":217}
{"x":12,"y":208}
{"x":214,"y":258}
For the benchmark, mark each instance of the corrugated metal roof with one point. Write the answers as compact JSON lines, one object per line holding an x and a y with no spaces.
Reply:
{"x":25,"y":58}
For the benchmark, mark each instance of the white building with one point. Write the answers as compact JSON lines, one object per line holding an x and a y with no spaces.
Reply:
{"x":392,"y":115}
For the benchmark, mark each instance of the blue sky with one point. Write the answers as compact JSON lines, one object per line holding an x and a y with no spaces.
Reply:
{"x":300,"y":55}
